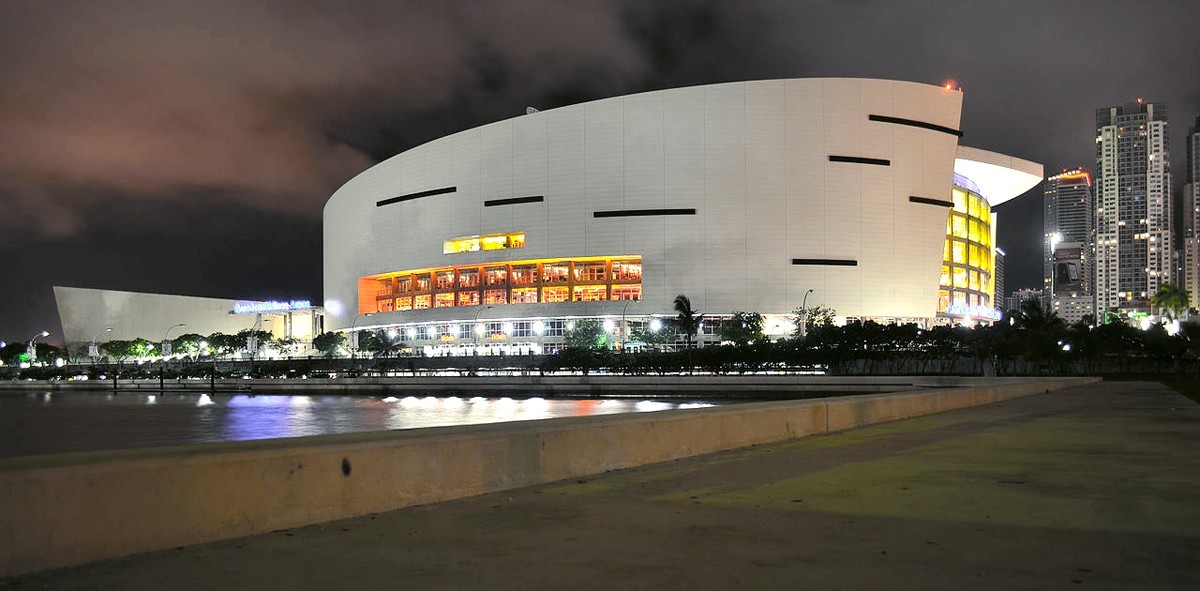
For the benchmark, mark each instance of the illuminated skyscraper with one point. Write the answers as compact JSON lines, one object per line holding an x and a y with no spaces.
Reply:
{"x":1068,"y":245}
{"x":1133,"y":205}
{"x":1191,"y":218}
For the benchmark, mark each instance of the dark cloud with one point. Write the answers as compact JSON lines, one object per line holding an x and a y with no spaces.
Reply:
{"x":135,"y":132}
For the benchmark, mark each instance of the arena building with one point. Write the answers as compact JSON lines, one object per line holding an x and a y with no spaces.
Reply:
{"x":852,"y":194}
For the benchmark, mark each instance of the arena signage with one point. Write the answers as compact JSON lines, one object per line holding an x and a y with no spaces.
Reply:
{"x":244,"y":307}
{"x":975,"y":311}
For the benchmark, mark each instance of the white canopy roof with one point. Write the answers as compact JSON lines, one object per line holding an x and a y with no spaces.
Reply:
{"x":999,"y":177}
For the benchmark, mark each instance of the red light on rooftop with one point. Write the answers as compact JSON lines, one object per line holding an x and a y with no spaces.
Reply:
{"x":950,"y":85}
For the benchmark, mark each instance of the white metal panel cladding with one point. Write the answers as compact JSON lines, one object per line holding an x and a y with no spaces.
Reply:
{"x":752,"y":158}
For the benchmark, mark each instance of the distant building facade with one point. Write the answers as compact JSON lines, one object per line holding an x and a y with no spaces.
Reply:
{"x":998,"y":295}
{"x":1133,"y":205}
{"x":1190,"y":277}
{"x":1024,"y":294}
{"x":1068,"y":249}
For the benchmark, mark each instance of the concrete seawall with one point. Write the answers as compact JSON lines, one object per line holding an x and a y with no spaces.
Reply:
{"x":607,"y":385}
{"x":68,"y":509}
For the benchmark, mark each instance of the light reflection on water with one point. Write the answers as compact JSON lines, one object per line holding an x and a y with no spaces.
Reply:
{"x":66,"y":422}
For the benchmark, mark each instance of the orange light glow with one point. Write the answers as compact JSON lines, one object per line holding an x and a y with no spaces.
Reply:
{"x":1071,"y":175}
{"x":951,"y":85}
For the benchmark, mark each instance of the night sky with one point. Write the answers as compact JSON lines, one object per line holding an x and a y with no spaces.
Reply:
{"x":189,"y":147}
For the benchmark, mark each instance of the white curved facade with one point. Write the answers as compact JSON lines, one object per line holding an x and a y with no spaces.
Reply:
{"x":774,"y":215}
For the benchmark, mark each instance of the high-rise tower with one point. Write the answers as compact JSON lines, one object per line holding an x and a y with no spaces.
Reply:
{"x":1191,"y":218}
{"x":1133,"y":205}
{"x":1068,"y":247}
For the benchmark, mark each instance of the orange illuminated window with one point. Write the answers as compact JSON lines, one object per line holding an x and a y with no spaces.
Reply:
{"x":495,"y":296}
{"x":485,"y":242}
{"x":584,"y":279}
{"x":525,"y":295}
{"x":589,"y":272}
{"x":524,"y":274}
{"x":496,"y":276}
{"x":627,"y":271}
{"x":556,"y":272}
{"x":627,"y":292}
{"x":590,"y":294}
{"x":554,"y":294}
{"x":468,"y":298}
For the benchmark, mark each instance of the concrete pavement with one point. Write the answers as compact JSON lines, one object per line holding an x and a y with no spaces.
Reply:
{"x":1089,"y":487}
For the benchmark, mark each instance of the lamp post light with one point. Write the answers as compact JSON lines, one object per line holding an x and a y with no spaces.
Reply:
{"x":94,"y":350}
{"x":166,"y":344}
{"x":624,"y":325}
{"x":804,"y":315}
{"x":478,"y":330}
{"x":354,"y":349}
{"x":33,"y":345}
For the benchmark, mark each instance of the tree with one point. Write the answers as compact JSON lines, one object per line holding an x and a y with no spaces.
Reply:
{"x":224,"y":344}
{"x":686,"y":319}
{"x":12,"y":352}
{"x":585,"y":334}
{"x":813,"y":317}
{"x":329,"y":343}
{"x":1039,"y":331}
{"x":743,"y":328}
{"x":1170,"y":300}
{"x":122,"y":350}
{"x":187,"y":344}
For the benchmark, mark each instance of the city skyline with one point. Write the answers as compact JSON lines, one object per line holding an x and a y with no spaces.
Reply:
{"x":155,"y":155}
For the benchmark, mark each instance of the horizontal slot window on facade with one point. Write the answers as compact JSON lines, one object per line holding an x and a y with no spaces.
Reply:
{"x":928,"y":201}
{"x":514,"y":201}
{"x":915,"y":123}
{"x":626,"y":213}
{"x":861,"y":160}
{"x":829,"y":262}
{"x":583,"y":279}
{"x":417,"y":195}
{"x":484,"y":242}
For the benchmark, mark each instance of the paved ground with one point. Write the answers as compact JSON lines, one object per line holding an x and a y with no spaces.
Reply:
{"x":1093,"y":487}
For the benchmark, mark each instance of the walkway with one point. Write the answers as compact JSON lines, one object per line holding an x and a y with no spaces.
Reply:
{"x":1094,"y":486}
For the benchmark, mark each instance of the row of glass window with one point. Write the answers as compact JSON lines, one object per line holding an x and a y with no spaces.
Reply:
{"x":492,"y":297}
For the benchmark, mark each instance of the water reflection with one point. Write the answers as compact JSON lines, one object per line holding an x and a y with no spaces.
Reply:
{"x":63,"y":422}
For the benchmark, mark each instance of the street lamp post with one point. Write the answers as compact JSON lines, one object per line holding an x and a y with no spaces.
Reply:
{"x":164,"y":351}
{"x":475,"y":328}
{"x":354,"y":349}
{"x":94,"y":350}
{"x":624,"y":326}
{"x":804,"y":315}
{"x":33,"y":345}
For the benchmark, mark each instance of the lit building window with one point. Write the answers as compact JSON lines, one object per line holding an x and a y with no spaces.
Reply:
{"x":525,"y":295}
{"x":589,"y":293}
{"x":467,"y":298}
{"x":586,"y":279}
{"x":485,"y":242}
{"x":495,"y":296}
{"x":627,"y":292}
{"x":554,"y":294}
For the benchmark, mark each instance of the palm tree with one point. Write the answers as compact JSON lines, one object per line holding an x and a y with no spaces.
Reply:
{"x":1171,"y":300}
{"x":688,"y":320}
